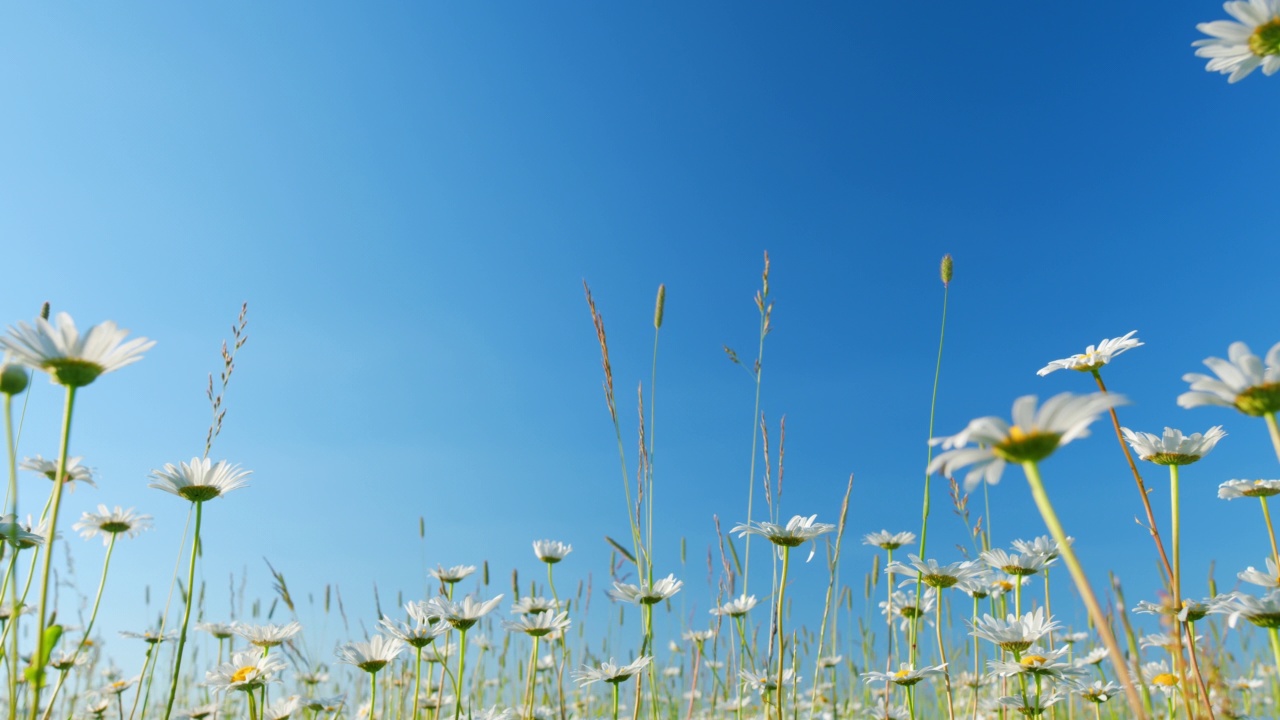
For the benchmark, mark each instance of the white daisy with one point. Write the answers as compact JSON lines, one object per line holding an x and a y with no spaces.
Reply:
{"x":1173,"y":448}
{"x":1032,"y":437}
{"x":72,"y":359}
{"x":248,"y":670}
{"x":1238,"y":48}
{"x":1242,"y":383}
{"x":609,"y":672}
{"x":905,"y":675}
{"x":266,"y":636}
{"x":417,"y":635}
{"x":1269,"y":579}
{"x":1031,"y":706}
{"x":1159,"y":678}
{"x":644,"y":594}
{"x":72,"y":474}
{"x":110,"y":523}
{"x":933,"y":574}
{"x":886,"y":540}
{"x":737,"y":607}
{"x":1014,"y":633}
{"x":1263,"y":612}
{"x":796,"y":532}
{"x":1100,"y":692}
{"x":1232,"y":489}
{"x":462,"y":615}
{"x":551,"y":551}
{"x":453,"y":574}
{"x":1043,"y":547}
{"x":281,"y":709}
{"x":373,"y":655}
{"x":199,"y":480}
{"x":1093,"y":357}
{"x":222,"y":631}
{"x":1027,"y":564}
{"x":539,"y":624}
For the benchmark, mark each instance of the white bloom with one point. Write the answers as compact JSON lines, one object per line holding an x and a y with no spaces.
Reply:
{"x":373,"y":655}
{"x":933,"y":574}
{"x":643,"y":594}
{"x":1242,"y":383}
{"x":1269,"y":579}
{"x":453,"y":574}
{"x":281,"y":709}
{"x":609,"y":672}
{"x":1100,"y":692}
{"x":531,"y":605}
{"x":1173,"y":448}
{"x":1232,"y":489}
{"x":266,"y":636}
{"x":737,"y":607}
{"x":1159,"y":678}
{"x":466,"y":613}
{"x":109,"y":523}
{"x":1015,"y":633}
{"x":886,"y":540}
{"x":199,"y":480}
{"x":1238,"y":48}
{"x":418,"y":635}
{"x":1026,"y":564}
{"x":74,"y":473}
{"x":1033,"y":436}
{"x":539,"y":624}
{"x":248,"y":670}
{"x":551,"y":551}
{"x":796,"y":532}
{"x":905,"y":675}
{"x":70,"y":358}
{"x":1093,"y":357}
{"x":1263,"y":612}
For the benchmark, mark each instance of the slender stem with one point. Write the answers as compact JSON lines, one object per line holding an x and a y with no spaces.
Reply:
{"x":1082,"y":585}
{"x":933,"y":405}
{"x":1271,"y":532}
{"x":93,"y":615}
{"x":782,"y":590}
{"x":462,"y":665}
{"x":186,"y":615}
{"x":13,"y":546}
{"x":373,"y":694}
{"x":1274,"y":430}
{"x":1142,"y":488}
{"x":942,"y":654}
{"x":417,"y":679}
{"x":56,"y":502}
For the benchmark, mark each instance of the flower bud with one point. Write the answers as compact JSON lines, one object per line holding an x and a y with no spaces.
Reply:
{"x":13,"y":379}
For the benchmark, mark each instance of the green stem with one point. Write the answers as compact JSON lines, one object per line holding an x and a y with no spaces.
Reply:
{"x":417,"y":680}
{"x":933,"y":405}
{"x":1274,"y":431}
{"x":93,"y":615}
{"x":56,"y":502}
{"x":942,"y":654}
{"x":782,"y":590}
{"x":1082,"y":585}
{"x":1271,"y":532}
{"x":13,"y":544}
{"x":373,"y":694}
{"x":186,"y":615}
{"x":462,"y":666}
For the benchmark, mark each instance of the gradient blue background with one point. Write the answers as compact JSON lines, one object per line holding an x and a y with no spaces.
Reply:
{"x":409,"y":196}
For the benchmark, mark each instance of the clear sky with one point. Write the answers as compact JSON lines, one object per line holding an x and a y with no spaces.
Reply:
{"x":410,"y":195}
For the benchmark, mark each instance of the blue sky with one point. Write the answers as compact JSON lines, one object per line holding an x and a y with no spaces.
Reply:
{"x":410,"y":195}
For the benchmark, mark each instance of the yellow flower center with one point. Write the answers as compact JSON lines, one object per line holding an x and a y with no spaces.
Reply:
{"x":902,"y":673}
{"x":1265,"y":39}
{"x":1027,"y":445}
{"x":244,"y":673}
{"x":1165,"y":679}
{"x":1034,"y":661}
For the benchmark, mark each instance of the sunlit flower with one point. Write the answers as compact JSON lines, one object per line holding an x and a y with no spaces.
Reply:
{"x":326,"y":704}
{"x":1242,"y":383}
{"x":72,"y":359}
{"x":200,"y":712}
{"x":199,"y":480}
{"x":532,"y":605}
{"x":248,"y":670}
{"x":462,"y":615}
{"x":373,"y":655}
{"x":797,"y":531}
{"x":609,"y":672}
{"x":266,"y":636}
{"x":222,"y":631}
{"x":886,"y":540}
{"x":1158,"y":678}
{"x":1238,"y":48}
{"x":110,"y":523}
{"x":452,"y":575}
{"x":905,"y":675}
{"x":1093,"y":657}
{"x":933,"y":574}
{"x":903,"y":606}
{"x":18,"y":535}
{"x":1233,"y":489}
{"x":1043,"y":547}
{"x":766,"y":680}
{"x":737,"y":607}
{"x":644,"y":594}
{"x":283,"y":708}
{"x":74,"y":473}
{"x":118,"y":686}
{"x":1268,"y":579}
{"x":1263,"y":612}
{"x":152,"y":637}
{"x":1100,"y":692}
{"x":1173,"y":448}
{"x":1015,"y":633}
{"x":538,"y":624}
{"x":1165,"y":641}
{"x":1041,"y":663}
{"x":1093,"y":357}
{"x":551,"y":551}
{"x":418,"y":635}
{"x":1032,"y":437}
{"x":1026,"y":564}
{"x":1191,"y":611}
{"x":1031,"y":706}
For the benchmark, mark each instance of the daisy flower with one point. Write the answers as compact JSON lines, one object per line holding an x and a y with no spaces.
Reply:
{"x":1028,"y":564}
{"x":1263,"y":612}
{"x":222,"y":631}
{"x":1238,"y":48}
{"x":1032,"y":437}
{"x":551,"y":551}
{"x":199,"y":480}
{"x":248,"y":670}
{"x":1031,"y":706}
{"x":1044,"y":548}
{"x":281,"y":709}
{"x":1041,"y":663}
{"x":644,"y":594}
{"x":1233,"y":489}
{"x":452,"y":575}
{"x":1159,"y":678}
{"x":933,"y":574}
{"x":72,"y":474}
{"x":1269,"y":579}
{"x":119,"y":686}
{"x":539,"y":624}
{"x":110,"y":523}
{"x":461,"y":616}
{"x":903,"y":605}
{"x":609,"y":672}
{"x":266,"y":636}
{"x":766,"y":680}
{"x":373,"y":655}
{"x":905,"y":676}
{"x":18,"y":535}
{"x":1173,"y":448}
{"x":200,"y":712}
{"x":152,"y":637}
{"x":886,"y":540}
{"x":1093,"y":357}
{"x":737,"y":607}
{"x":1100,"y":692}
{"x":531,"y":605}
{"x":417,"y":635}
{"x":796,"y":532}
{"x":1242,"y":383}
{"x":1014,"y":633}
{"x":71,"y":359}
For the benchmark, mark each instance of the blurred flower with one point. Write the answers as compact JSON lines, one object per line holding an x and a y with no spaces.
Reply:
{"x":1232,"y":489}
{"x":1173,"y":448}
{"x":453,"y":574}
{"x":886,"y":540}
{"x":71,"y":359}
{"x":72,"y":474}
{"x":610,"y":673}
{"x":1263,"y":612}
{"x":199,"y":480}
{"x":373,"y":655}
{"x":550,"y":551}
{"x":737,"y":607}
{"x":1093,"y":357}
{"x":222,"y":631}
{"x":1100,"y":692}
{"x":538,"y":624}
{"x":109,"y":523}
{"x":266,"y":636}
{"x":1238,"y":48}
{"x":281,"y":709}
{"x":248,"y":670}
{"x":905,"y":675}
{"x":644,"y":594}
{"x":532,"y":605}
{"x":1269,"y":579}
{"x":1032,"y":437}
{"x":1242,"y":383}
